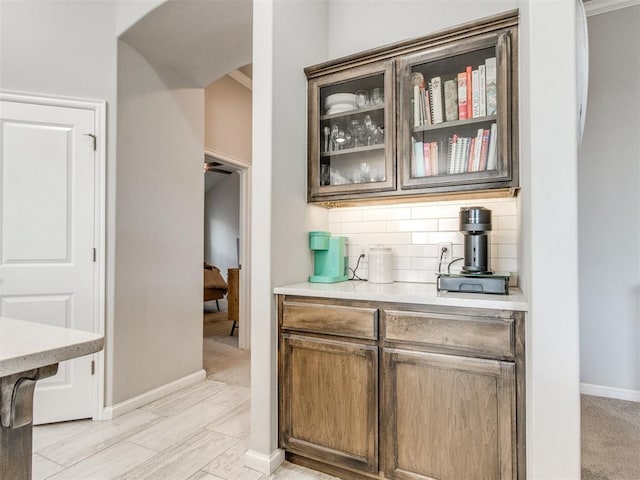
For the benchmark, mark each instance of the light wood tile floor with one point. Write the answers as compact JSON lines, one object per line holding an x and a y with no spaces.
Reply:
{"x":202,"y":432}
{"x":198,"y":433}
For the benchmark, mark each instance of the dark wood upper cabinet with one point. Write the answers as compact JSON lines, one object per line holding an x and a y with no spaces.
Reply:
{"x":436,"y":115}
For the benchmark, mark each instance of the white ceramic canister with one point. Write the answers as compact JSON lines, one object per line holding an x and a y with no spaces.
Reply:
{"x":380,"y":265}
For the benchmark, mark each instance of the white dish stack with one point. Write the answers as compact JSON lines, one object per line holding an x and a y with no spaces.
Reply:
{"x":339,"y":103}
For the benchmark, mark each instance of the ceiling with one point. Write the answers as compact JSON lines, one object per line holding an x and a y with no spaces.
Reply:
{"x":193,"y":43}
{"x":215,"y":171}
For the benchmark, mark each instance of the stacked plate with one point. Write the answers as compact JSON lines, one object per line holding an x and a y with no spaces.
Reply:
{"x":340,"y":102}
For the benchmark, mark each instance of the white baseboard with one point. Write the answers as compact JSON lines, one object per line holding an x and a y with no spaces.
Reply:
{"x":262,"y":463}
{"x":121,"y":408}
{"x":610,"y":392}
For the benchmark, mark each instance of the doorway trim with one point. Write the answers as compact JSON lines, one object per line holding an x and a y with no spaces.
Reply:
{"x":99,"y":108}
{"x":244,"y":170}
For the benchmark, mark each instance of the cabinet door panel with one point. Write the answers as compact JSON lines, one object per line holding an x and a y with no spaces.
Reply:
{"x":329,"y":406}
{"x":448,"y":417}
{"x":451,"y":158}
{"x":351,"y":148}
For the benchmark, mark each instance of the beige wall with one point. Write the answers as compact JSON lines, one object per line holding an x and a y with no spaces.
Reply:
{"x":609,"y":209}
{"x":158,"y":292}
{"x":228,"y":118}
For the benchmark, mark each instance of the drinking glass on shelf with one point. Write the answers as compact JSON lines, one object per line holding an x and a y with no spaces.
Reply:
{"x":361,"y":98}
{"x":365,"y":172}
{"x":327,"y":134}
{"x":377,"y":96}
{"x":342,"y":138}
{"x":375,"y":134}
{"x":325,"y":178}
{"x":359,"y":133}
{"x":335,"y":129}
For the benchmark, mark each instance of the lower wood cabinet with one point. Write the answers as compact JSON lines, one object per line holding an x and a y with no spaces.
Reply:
{"x":329,"y":401}
{"x":372,"y":390}
{"x":448,"y":417}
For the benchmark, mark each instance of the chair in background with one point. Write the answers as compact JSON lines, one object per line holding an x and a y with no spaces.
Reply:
{"x":215,"y":287}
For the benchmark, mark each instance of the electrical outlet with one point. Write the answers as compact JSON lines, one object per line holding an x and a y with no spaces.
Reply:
{"x":447,"y":256}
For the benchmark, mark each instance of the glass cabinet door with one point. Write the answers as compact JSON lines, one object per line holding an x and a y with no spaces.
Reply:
{"x":455,"y":122}
{"x":352,"y":132}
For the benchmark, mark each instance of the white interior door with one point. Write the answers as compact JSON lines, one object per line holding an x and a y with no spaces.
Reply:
{"x":47,"y":210}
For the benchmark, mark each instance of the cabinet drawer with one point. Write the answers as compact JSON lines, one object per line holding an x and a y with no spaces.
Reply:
{"x":358,"y":322}
{"x":489,"y":336}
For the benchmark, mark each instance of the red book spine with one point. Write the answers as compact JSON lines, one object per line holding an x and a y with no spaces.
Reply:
{"x":484,"y":150}
{"x":427,"y":162}
{"x":434,"y":155}
{"x":469,"y":93}
{"x":462,"y":95}
{"x":469,"y":156}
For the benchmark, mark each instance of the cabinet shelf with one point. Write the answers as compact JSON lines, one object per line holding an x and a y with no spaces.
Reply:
{"x":348,"y":151}
{"x":456,"y":123}
{"x":354,"y":112}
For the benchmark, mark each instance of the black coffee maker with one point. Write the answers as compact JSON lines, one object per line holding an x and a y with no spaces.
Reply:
{"x":475,"y":225}
{"x":476,"y":275}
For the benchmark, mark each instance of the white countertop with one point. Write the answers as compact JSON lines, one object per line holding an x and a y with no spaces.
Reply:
{"x":399,"y":292}
{"x":27,"y":345}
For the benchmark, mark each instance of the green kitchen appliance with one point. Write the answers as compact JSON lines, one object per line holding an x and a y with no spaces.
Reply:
{"x":330,"y":261}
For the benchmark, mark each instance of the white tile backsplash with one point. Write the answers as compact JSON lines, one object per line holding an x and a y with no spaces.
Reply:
{"x":413,"y":231}
{"x":421,"y":225}
{"x":403,"y":213}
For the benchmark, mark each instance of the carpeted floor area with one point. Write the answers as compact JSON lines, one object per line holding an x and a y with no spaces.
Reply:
{"x":222,"y":360}
{"x":610,"y":439}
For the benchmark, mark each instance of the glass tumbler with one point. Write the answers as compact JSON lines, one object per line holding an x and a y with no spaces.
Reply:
{"x":377,"y":96}
{"x":361,"y":98}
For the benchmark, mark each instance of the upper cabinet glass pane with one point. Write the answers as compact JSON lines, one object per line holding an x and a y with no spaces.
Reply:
{"x":454,"y":110}
{"x":433,"y":115}
{"x":455,"y":115}
{"x":352,"y":132}
{"x":352,"y":128}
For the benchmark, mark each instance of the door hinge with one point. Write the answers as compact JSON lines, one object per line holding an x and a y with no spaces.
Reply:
{"x":93,"y":367}
{"x":94,"y":254}
{"x":95,"y":140}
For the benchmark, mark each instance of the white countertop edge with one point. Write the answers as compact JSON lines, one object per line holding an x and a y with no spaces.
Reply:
{"x":27,"y":345}
{"x":401,"y":292}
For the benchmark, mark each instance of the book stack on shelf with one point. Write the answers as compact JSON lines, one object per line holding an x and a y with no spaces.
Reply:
{"x":468,"y":98}
{"x":473,"y":154}
{"x":425,"y":158}
{"x":469,"y":94}
{"x":463,"y":155}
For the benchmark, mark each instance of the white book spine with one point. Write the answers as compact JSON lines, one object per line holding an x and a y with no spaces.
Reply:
{"x":435,"y":90}
{"x":482,"y":90}
{"x":452,"y":154}
{"x":416,"y":106}
{"x":465,"y":158}
{"x":476,"y":151}
{"x":475,"y":94}
{"x":492,"y":156}
{"x":460,"y":154}
{"x":491,"y":86}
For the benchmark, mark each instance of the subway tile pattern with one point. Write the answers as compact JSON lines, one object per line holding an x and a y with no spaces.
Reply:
{"x":413,"y":231}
